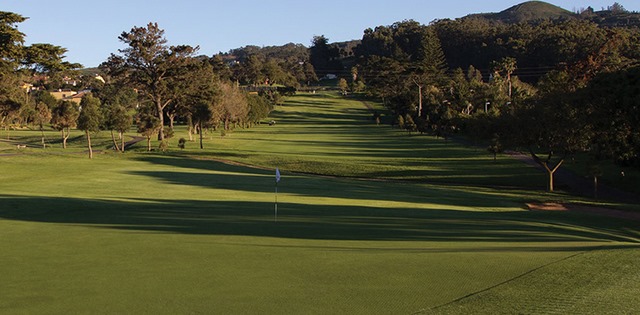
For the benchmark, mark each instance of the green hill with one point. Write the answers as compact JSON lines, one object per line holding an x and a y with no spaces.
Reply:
{"x":528,"y":11}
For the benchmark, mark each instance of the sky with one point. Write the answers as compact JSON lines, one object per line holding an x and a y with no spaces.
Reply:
{"x":89,"y":30}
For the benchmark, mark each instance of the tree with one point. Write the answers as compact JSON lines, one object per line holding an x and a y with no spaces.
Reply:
{"x":11,"y":41}
{"x":612,"y":105}
{"x":232,"y":106}
{"x":47,"y":58}
{"x":90,"y":118}
{"x":548,"y":124}
{"x":155,"y":69}
{"x":343,"y":86}
{"x":9,"y":107}
{"x":259,"y":108}
{"x":324,"y":57}
{"x":64,"y":117}
{"x":11,"y":51}
{"x":118,"y":118}
{"x":495,"y":147}
{"x":118,"y":108}
{"x":202,"y":114}
{"x":201,"y":99}
{"x":506,"y":66}
{"x":148,"y":124}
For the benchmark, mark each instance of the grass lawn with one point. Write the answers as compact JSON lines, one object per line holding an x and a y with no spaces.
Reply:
{"x":441,"y":229}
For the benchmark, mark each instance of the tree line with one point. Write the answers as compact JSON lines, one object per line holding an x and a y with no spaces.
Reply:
{"x":148,"y":83}
{"x":550,"y":87}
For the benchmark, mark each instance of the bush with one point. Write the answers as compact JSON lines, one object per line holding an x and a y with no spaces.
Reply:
{"x":164,"y":145}
{"x":181,"y":143}
{"x":168,"y":133}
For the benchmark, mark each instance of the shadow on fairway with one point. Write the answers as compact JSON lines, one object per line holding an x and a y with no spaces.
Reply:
{"x":219,"y":175}
{"x":304,"y":221}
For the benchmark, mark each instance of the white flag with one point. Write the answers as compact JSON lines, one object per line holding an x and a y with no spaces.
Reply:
{"x":277,"y":175}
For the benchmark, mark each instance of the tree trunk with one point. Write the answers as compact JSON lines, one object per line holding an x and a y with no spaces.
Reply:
{"x":115,"y":143}
{"x":595,"y":187}
{"x":550,"y":171}
{"x":44,"y":145}
{"x":121,"y":141}
{"x":171,"y":119}
{"x":89,"y":144}
{"x":149,"y":143}
{"x":200,"y":125}
{"x":160,"y":109}
{"x":65,"y":136}
{"x":190,"y":132}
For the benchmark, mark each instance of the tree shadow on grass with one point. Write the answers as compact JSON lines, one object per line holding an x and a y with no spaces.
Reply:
{"x":318,"y":222}
{"x":219,"y":175}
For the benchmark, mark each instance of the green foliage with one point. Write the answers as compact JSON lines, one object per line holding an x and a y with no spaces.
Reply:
{"x":285,"y":65}
{"x":325,"y":57}
{"x":158,"y":71}
{"x":259,"y":107}
{"x":148,"y":124}
{"x":164,"y":145}
{"x":11,"y":41}
{"x":64,"y":117}
{"x":47,"y":59}
{"x":397,"y":60}
{"x":90,"y":117}
{"x":613,"y":107}
{"x":409,"y":124}
{"x":343,"y":85}
{"x":118,"y":118}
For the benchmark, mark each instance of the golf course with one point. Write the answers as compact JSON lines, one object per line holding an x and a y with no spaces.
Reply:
{"x":370,"y":220}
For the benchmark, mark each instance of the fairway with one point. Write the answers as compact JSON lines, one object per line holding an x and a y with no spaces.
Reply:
{"x":371,"y":220}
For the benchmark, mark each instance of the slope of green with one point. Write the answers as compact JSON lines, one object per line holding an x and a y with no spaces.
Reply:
{"x":183,"y":233}
{"x":528,"y":11}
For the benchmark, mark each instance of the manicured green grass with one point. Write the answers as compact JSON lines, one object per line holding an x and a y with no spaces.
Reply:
{"x":182,"y":233}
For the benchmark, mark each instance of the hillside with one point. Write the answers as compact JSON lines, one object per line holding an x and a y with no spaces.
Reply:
{"x":539,"y":10}
{"x":527,"y":11}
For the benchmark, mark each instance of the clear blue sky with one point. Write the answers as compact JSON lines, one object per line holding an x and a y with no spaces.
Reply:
{"x":90,"y":29}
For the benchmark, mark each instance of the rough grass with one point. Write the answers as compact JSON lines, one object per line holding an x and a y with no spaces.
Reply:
{"x":183,"y":233}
